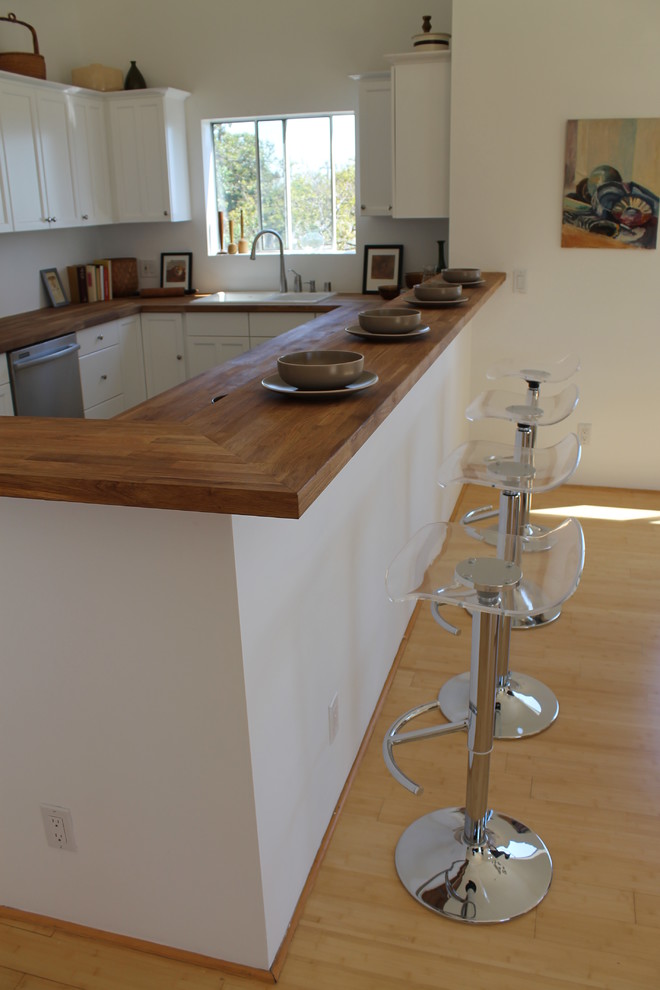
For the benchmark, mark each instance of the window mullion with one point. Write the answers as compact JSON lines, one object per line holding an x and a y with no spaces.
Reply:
{"x":258,"y":164}
{"x":287,"y":191}
{"x":333,"y":186}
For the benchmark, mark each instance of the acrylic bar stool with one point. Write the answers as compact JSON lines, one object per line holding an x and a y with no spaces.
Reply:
{"x":555,"y":408}
{"x":524,"y":705}
{"x":471,"y":863}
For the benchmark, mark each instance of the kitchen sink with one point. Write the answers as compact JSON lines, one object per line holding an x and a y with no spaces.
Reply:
{"x":261,"y":296}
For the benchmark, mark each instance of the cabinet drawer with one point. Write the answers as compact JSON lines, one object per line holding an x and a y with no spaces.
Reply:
{"x":217,"y":325}
{"x":96,"y":338}
{"x":106,"y":410}
{"x":100,"y":376}
{"x":4,"y":371}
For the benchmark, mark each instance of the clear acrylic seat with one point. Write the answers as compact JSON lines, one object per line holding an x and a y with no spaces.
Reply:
{"x":557,"y":370}
{"x":498,"y":404}
{"x":471,"y":863}
{"x":510,"y":467}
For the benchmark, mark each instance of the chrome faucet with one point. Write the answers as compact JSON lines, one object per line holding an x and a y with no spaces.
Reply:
{"x":297,"y":280}
{"x":283,"y":286}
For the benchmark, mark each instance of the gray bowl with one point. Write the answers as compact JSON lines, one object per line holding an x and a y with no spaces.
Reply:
{"x":320,"y":369}
{"x":389,"y":320}
{"x":461,"y":274}
{"x":435,"y":293}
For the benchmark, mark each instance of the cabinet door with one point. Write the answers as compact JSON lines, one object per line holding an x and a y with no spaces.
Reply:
{"x":6,"y":223}
{"x":92,"y":163}
{"x":265,"y":326}
{"x":375,"y":145}
{"x":21,"y":141}
{"x":204,"y":353}
{"x":162,"y":341}
{"x":140,"y":161}
{"x":56,"y":159}
{"x":421,"y":106}
{"x":132,"y":361}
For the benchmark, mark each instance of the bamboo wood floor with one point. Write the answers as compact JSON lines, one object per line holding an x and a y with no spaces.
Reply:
{"x":590,"y":785}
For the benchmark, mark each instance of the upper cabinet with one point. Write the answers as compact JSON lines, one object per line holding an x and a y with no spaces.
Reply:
{"x":421,"y":92}
{"x":64,"y":150}
{"x":375,"y":144}
{"x":91,"y":159}
{"x":149,"y":159}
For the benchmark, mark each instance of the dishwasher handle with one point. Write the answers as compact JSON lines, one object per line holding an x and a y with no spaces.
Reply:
{"x":29,"y":362}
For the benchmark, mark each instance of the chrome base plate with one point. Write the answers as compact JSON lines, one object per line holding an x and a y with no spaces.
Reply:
{"x":506,"y":877}
{"x":523,"y":706}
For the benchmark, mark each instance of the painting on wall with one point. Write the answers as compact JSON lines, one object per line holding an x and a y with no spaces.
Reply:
{"x":611,"y":183}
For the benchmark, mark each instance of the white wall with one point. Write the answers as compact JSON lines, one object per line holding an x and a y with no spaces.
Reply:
{"x":520,"y":69}
{"x":252,"y":57}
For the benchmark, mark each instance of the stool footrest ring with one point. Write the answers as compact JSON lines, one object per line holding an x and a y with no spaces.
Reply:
{"x":394,"y":737}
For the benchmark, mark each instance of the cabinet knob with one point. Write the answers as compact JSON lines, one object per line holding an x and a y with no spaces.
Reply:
{"x":100,"y":337}
{"x":179,"y":357}
{"x":85,"y":216}
{"x":362,"y":206}
{"x":165,"y":213}
{"x":53,"y":219}
{"x":104,"y":378}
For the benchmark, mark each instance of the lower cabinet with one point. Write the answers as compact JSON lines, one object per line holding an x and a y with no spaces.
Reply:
{"x":6,"y":403}
{"x":164,"y":352}
{"x":212,"y":338}
{"x":265,"y":326}
{"x":111,"y":367}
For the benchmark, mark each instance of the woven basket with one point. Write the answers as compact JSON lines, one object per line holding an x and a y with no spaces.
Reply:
{"x":24,"y":63}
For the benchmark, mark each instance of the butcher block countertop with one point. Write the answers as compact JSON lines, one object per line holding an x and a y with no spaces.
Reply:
{"x":251,"y":452}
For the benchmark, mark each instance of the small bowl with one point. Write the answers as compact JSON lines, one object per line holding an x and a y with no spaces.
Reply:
{"x":389,"y":320}
{"x":412,"y":278}
{"x":320,"y":369}
{"x":388,"y":291}
{"x":461,"y":274}
{"x":438,"y":292}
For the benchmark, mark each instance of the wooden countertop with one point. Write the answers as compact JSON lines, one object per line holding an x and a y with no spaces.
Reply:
{"x":252,"y":452}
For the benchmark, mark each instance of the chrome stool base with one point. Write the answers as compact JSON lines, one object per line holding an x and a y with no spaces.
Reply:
{"x":505,"y":877}
{"x":523,"y":705}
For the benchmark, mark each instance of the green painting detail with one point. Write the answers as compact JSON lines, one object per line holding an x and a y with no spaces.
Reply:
{"x":611,"y":183}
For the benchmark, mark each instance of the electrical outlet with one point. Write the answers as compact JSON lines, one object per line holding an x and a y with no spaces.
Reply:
{"x":333,"y":717}
{"x":519,"y":280}
{"x":58,"y":825}
{"x":148,"y":269}
{"x":584,"y":433}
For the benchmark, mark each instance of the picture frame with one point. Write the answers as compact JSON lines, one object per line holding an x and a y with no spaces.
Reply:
{"x":382,"y":266}
{"x":53,"y":286}
{"x":176,"y":271}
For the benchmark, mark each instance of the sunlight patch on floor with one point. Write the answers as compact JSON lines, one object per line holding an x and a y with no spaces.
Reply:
{"x":609,"y":512}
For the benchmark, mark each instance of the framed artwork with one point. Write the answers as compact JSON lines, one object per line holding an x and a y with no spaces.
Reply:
{"x":382,"y":266}
{"x":54,"y":287}
{"x":611,"y":183}
{"x":176,"y":271}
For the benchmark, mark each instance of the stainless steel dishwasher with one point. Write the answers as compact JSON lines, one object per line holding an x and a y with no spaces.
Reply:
{"x":45,"y":378}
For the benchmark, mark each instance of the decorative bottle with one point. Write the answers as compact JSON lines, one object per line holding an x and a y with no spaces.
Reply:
{"x":442,"y":264}
{"x":134,"y":78}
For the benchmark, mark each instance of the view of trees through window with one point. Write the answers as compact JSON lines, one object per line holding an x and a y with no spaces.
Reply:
{"x":293,"y":174}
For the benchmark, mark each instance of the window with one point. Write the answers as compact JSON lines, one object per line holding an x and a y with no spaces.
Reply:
{"x":294,"y":174}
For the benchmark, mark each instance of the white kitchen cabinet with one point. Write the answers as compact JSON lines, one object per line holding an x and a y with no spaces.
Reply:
{"x":6,"y":403}
{"x":374,"y":144}
{"x":111,"y":367}
{"x":6,"y":223}
{"x":131,"y":355}
{"x":421,"y":91}
{"x":164,"y":352}
{"x":92,"y":161}
{"x":149,"y":157}
{"x":265,"y":326}
{"x":212,"y":338}
{"x":39,"y":164}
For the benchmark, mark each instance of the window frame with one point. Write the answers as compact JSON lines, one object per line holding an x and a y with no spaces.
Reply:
{"x":213,"y":239}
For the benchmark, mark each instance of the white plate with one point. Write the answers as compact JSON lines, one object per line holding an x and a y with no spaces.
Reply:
{"x":435,"y":303}
{"x":472,"y":285}
{"x":277,"y":384}
{"x":359,"y":331}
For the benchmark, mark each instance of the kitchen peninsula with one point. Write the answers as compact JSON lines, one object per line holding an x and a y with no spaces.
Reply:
{"x":187,"y":587}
